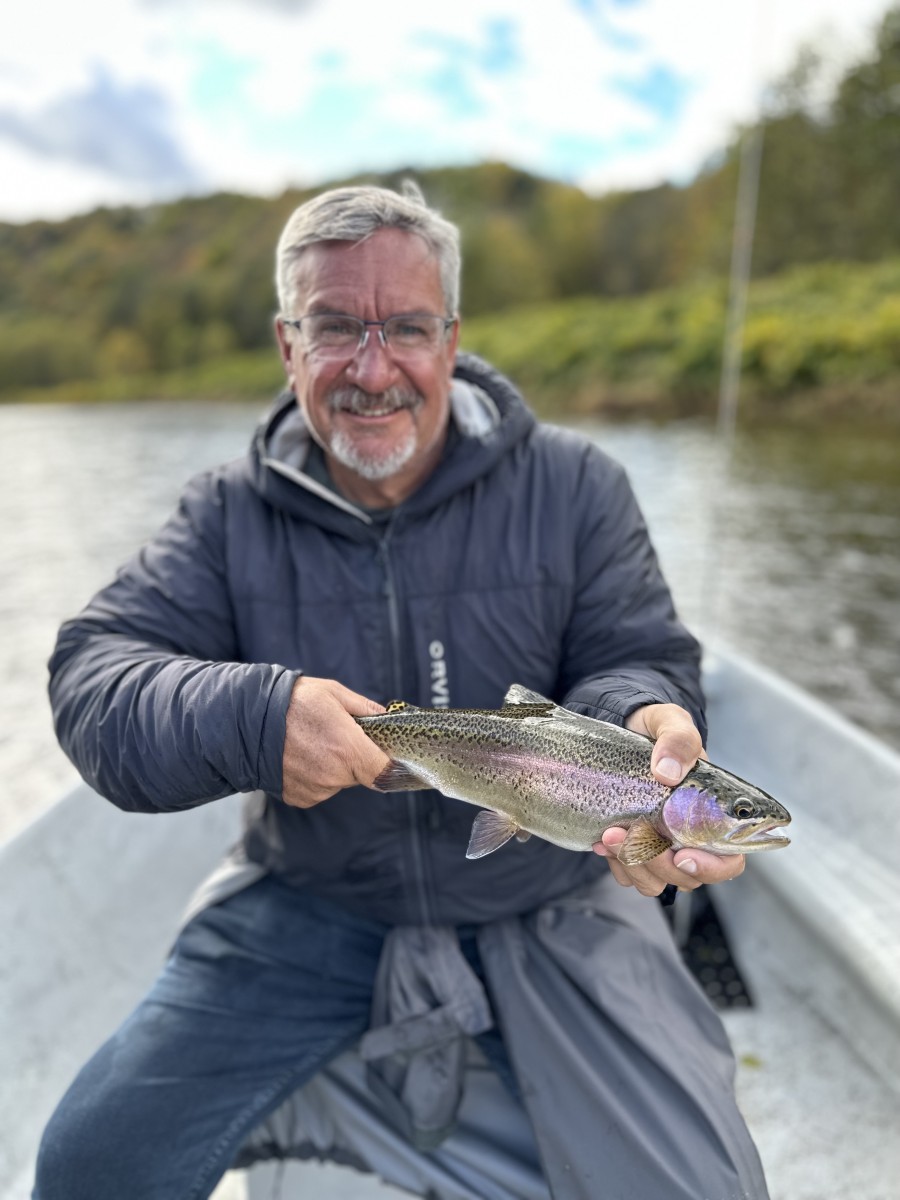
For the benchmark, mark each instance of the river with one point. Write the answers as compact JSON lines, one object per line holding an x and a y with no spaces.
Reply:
{"x":790,"y":554}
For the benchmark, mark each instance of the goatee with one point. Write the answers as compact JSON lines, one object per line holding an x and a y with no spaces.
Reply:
{"x":370,"y":466}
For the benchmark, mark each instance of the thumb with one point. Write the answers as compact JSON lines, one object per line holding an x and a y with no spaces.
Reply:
{"x":363,"y":707}
{"x":354,"y":703}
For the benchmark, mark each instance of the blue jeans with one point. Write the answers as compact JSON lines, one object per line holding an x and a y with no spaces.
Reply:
{"x":259,"y":993}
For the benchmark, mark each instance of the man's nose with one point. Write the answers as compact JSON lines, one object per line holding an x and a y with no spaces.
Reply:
{"x":372,"y":367}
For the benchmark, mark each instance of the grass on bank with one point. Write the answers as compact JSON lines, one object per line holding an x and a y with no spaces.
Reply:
{"x":252,"y":375}
{"x":817,"y":340}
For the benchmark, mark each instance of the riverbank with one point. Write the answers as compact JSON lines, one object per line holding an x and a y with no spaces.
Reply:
{"x":819,"y":342}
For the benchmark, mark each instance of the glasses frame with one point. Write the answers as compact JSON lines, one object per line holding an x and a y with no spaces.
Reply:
{"x":366,"y":326}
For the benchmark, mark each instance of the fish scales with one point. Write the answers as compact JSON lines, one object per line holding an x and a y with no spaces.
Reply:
{"x":540,"y":769}
{"x":567,"y":790}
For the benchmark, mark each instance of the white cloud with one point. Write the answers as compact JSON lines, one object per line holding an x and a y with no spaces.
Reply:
{"x":259,"y":95}
{"x":122,"y":132}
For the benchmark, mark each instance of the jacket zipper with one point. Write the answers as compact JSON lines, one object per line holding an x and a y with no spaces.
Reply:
{"x":413,"y":808}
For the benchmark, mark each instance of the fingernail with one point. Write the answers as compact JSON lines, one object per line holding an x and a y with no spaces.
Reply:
{"x":688,"y":866}
{"x":670,"y":768}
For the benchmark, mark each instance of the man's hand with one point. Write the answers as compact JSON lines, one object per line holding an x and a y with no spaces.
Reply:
{"x":324,"y":749}
{"x":677,"y":748}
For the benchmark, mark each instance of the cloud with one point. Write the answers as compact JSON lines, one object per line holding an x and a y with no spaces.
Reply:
{"x":120,"y":130}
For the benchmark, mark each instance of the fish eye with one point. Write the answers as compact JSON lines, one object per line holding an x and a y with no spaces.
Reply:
{"x":743,"y":809}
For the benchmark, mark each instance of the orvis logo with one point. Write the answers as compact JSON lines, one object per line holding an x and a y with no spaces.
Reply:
{"x":440,"y":687}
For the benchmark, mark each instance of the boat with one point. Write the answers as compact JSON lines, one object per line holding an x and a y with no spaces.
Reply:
{"x":814,"y":929}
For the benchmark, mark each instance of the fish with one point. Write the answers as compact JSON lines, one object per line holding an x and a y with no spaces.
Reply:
{"x":536,"y":768}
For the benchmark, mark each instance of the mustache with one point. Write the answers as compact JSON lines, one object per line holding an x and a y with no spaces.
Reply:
{"x":355,"y":400}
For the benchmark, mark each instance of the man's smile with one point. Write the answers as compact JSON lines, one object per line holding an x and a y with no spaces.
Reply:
{"x":355,"y":402}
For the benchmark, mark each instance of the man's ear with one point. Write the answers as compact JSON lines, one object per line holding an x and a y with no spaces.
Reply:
{"x":285,"y":347}
{"x":451,"y":345}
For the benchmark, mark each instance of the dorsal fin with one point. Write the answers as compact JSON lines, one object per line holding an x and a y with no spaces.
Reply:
{"x":518,"y":694}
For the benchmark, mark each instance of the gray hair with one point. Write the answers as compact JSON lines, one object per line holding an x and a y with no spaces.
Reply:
{"x":351,"y":214}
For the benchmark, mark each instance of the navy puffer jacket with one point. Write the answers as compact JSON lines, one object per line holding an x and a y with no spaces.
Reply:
{"x":522,"y":559}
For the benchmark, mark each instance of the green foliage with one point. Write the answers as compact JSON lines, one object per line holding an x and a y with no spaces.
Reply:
{"x":251,"y":375}
{"x":832,"y":328}
{"x":40,"y":352}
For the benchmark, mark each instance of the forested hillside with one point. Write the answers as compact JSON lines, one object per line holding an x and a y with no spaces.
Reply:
{"x":127,"y":294}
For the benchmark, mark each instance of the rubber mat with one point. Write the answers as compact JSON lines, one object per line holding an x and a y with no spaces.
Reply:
{"x":707,"y":955}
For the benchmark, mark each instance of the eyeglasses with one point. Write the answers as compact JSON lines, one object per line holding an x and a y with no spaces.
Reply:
{"x":332,"y":335}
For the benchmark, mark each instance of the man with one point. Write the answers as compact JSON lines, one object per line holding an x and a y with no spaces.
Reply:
{"x":350,"y":986}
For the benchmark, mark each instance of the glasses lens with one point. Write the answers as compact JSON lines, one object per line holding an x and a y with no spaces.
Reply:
{"x":414,"y":334}
{"x":330,"y":334}
{"x":335,"y":336}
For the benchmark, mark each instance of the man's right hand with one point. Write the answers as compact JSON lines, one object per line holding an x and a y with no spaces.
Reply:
{"x":324,"y":749}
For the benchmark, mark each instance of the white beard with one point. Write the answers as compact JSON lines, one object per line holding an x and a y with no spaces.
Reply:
{"x":370,"y":466}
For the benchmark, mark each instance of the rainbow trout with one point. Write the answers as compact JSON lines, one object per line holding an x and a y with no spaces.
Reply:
{"x":536,"y":768}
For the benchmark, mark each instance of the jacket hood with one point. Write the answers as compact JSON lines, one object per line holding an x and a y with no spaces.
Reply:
{"x":488,"y":413}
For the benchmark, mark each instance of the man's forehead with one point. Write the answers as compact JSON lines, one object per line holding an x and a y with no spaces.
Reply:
{"x":393,"y":251}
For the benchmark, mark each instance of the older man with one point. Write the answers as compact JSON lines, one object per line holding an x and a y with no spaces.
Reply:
{"x":349,"y":985}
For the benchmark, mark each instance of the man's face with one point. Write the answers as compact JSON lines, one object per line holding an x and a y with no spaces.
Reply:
{"x":381,"y":417}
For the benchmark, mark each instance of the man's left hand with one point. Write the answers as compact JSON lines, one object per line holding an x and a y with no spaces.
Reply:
{"x":678,"y":746}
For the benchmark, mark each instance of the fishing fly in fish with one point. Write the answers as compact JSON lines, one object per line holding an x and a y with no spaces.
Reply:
{"x":536,"y":768}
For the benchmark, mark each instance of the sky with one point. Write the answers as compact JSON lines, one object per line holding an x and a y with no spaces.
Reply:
{"x":147,"y":100}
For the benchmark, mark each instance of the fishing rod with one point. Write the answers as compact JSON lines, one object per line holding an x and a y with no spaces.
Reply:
{"x":743,"y":236}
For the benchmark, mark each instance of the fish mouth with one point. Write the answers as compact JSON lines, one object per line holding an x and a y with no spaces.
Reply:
{"x":762,"y":837}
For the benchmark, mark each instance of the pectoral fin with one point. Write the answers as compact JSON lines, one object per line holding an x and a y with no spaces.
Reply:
{"x":642,"y":842}
{"x":490,"y":831}
{"x":398,"y":777}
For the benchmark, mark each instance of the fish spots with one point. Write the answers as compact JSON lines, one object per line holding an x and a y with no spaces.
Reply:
{"x":563,"y":776}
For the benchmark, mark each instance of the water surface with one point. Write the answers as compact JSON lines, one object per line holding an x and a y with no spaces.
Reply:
{"x":792,"y":555}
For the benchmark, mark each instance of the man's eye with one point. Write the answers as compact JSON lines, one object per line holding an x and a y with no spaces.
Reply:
{"x":408,"y":331}
{"x":336,"y":327}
